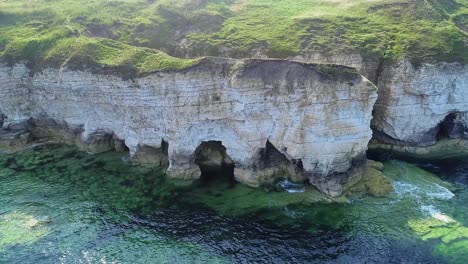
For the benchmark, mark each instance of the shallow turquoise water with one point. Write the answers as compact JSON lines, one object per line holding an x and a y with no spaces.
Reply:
{"x":59,"y":205}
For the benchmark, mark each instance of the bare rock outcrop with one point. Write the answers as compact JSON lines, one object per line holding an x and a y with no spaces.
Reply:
{"x":419,"y":105}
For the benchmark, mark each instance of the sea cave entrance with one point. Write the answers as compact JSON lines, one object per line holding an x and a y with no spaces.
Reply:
{"x":215,"y":164}
{"x":452,"y":127}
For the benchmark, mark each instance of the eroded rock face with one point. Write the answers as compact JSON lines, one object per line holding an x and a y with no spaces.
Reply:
{"x":2,"y":118}
{"x":454,"y":126}
{"x":317,"y":118}
{"x":416,"y":105}
{"x":13,"y":140}
{"x":98,"y":141}
{"x":14,"y":93}
{"x":367,"y":67}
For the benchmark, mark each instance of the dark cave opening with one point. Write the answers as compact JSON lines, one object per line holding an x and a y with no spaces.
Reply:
{"x":215,"y":164}
{"x":451,"y":127}
{"x":270,"y":156}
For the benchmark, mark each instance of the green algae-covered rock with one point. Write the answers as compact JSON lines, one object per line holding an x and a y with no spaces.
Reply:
{"x":373,"y":181}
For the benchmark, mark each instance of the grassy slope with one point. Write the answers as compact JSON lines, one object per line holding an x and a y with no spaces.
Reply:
{"x":49,"y":32}
{"x":114,"y":33}
{"x":420,"y":30}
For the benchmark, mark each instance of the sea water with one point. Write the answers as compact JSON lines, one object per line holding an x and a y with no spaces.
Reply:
{"x":60,"y":205}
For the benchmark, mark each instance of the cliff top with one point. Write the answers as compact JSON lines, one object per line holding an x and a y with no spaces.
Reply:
{"x":127,"y":34}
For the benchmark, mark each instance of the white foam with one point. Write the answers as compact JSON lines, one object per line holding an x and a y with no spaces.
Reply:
{"x":424,"y":196}
{"x":443,"y":218}
{"x":291,"y":187}
{"x":430,"y":191}
{"x":442,"y":194}
{"x":424,"y":192}
{"x":430,"y":210}
{"x":291,"y":213}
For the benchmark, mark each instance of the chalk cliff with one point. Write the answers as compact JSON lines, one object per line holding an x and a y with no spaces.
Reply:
{"x":418,"y":105}
{"x":317,"y":118}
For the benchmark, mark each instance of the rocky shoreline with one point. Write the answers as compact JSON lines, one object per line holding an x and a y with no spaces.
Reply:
{"x":261,"y":119}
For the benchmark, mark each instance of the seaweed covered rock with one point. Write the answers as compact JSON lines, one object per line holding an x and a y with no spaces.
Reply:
{"x":373,"y":181}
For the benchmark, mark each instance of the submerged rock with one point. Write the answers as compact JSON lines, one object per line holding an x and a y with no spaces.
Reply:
{"x":273,"y":117}
{"x":449,"y":236}
{"x":19,"y":228}
{"x":13,"y":140}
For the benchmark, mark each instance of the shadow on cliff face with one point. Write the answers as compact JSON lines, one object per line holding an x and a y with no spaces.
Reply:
{"x":271,"y":157}
{"x":217,"y":167}
{"x":453,"y":126}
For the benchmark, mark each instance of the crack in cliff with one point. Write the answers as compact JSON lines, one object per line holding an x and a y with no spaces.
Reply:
{"x":380,"y":67}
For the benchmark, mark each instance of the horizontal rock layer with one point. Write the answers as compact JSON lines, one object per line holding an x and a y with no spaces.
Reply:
{"x":316,"y":118}
{"x":417,"y":104}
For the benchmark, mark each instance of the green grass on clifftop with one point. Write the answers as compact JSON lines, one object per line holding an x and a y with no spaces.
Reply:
{"x":43,"y":34}
{"x":83,"y":52}
{"x":126,"y":34}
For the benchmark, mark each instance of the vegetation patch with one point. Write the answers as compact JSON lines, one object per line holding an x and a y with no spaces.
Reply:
{"x":417,"y":30}
{"x":102,"y":54}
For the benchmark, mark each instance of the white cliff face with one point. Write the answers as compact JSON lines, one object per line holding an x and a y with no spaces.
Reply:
{"x":413,"y":102}
{"x":13,"y":95}
{"x":322,"y":120}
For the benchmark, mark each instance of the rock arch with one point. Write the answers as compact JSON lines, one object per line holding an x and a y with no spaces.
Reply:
{"x":183,"y":149}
